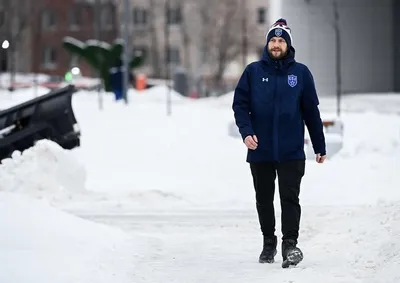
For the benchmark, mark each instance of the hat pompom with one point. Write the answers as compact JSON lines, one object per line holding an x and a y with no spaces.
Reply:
{"x":281,"y":21}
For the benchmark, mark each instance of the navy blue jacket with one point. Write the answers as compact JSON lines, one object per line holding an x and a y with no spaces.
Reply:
{"x":274,"y":100}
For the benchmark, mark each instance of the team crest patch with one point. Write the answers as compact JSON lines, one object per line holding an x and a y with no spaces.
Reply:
{"x":292,"y":80}
{"x":278,"y":32}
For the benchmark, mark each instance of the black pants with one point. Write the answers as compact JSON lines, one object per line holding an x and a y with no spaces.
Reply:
{"x":289,"y":178}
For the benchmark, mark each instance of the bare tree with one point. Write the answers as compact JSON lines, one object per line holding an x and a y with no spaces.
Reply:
{"x":208,"y":22}
{"x":227,"y":38}
{"x":19,"y":15}
{"x":211,"y":34}
{"x":221,"y":38}
{"x":186,"y":8}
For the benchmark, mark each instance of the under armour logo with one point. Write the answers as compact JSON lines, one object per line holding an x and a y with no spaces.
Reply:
{"x":265,"y":79}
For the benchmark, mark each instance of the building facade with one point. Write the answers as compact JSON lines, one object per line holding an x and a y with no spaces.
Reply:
{"x":367,"y":54}
{"x":169,"y":38}
{"x":74,"y":18}
{"x":173,"y":35}
{"x":39,"y":48}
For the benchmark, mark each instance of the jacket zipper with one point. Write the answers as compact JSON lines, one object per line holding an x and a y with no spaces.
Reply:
{"x":275,"y":120}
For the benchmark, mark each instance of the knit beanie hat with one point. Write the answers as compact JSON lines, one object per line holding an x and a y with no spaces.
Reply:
{"x":280,"y":29}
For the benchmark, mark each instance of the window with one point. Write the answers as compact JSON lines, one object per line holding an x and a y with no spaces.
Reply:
{"x":174,"y":16}
{"x":106,"y":19}
{"x":140,"y":51}
{"x":140,"y":16}
{"x":261,"y":15}
{"x":75,"y":18}
{"x":2,"y":19}
{"x":49,"y":59}
{"x":48,"y":20}
{"x":173,"y":56}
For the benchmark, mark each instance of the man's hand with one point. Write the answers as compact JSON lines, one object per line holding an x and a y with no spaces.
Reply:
{"x":251,"y":142}
{"x":319,"y":158}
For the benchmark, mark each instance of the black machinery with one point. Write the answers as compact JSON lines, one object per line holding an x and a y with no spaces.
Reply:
{"x":46,"y":117}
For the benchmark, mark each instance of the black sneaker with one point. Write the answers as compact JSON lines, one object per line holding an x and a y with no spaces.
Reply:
{"x":291,"y":254}
{"x":269,"y":250}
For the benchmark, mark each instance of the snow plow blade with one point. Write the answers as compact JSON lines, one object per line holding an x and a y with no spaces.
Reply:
{"x":46,"y":117}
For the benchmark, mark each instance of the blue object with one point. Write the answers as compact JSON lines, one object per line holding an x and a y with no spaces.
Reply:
{"x":116,"y":78}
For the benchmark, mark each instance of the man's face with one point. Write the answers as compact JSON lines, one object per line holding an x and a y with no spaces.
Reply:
{"x":277,"y":48}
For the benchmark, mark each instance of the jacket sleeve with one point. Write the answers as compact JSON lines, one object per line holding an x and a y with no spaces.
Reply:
{"x":241,"y":105}
{"x":311,"y":114}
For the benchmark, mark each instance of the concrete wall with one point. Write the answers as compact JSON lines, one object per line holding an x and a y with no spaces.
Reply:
{"x":367,"y":42}
{"x":396,"y":37}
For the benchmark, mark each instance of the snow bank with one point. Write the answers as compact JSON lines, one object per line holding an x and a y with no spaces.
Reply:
{"x":23,"y":78}
{"x":352,"y":243}
{"x":370,"y":133}
{"x":44,"y":170}
{"x":351,"y":103}
{"x":10,"y":99}
{"x":40,"y":244}
{"x":158,"y":94}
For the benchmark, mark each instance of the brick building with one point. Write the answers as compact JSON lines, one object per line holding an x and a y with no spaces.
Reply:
{"x":40,"y":49}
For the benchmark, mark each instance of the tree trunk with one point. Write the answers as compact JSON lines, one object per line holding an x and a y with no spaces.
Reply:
{"x":154,"y":49}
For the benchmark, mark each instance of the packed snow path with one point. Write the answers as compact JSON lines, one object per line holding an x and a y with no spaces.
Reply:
{"x":223,"y":246}
{"x":179,"y":187}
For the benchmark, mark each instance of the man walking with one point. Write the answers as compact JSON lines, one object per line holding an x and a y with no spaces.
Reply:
{"x":274,"y":99}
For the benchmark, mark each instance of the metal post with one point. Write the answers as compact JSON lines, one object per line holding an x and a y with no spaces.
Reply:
{"x":97,"y":27}
{"x":167,"y":55}
{"x":127,"y":23}
{"x":244,"y":34}
{"x":13,"y":39}
{"x":12,"y":66}
{"x":338,"y":59}
{"x":1,"y":62}
{"x":338,"y":65}
{"x":35,"y":84}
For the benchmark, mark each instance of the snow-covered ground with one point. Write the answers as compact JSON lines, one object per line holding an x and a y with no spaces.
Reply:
{"x":40,"y":243}
{"x":22,"y":78}
{"x":177,"y":196}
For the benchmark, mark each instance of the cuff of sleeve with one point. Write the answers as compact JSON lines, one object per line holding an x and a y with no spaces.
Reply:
{"x":322,"y":152}
{"x":247,"y":133}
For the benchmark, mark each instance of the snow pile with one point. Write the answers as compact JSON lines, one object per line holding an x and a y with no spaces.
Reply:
{"x":5,"y":78}
{"x":158,"y":94}
{"x":370,"y":134}
{"x":10,"y":99}
{"x":43,"y":170}
{"x":39,"y":244}
{"x":80,"y":80}
{"x":350,"y":103}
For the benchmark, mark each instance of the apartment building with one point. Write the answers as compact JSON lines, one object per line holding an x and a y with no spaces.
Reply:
{"x":173,"y":34}
{"x":169,"y":37}
{"x":76,"y":18}
{"x":46,"y":22}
